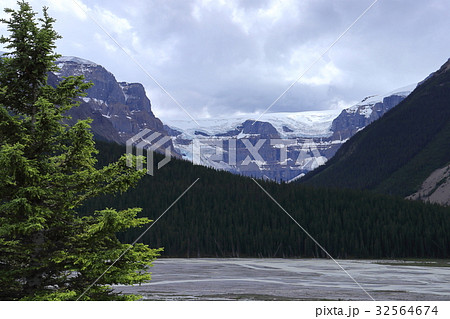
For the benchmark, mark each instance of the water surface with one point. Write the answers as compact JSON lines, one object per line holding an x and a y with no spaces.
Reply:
{"x":292,"y":279}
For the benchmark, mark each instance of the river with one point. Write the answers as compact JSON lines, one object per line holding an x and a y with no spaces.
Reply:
{"x":293,"y":279}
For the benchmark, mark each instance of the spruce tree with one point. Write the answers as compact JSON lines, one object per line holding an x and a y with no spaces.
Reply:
{"x":47,"y":171}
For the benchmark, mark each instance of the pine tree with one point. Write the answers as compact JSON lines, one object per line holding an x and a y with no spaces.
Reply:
{"x":47,"y":171}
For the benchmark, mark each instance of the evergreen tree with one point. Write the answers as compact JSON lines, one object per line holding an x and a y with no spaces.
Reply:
{"x":47,"y":170}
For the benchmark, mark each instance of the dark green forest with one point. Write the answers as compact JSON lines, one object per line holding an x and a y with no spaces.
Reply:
{"x":396,"y":153}
{"x":225,"y":215}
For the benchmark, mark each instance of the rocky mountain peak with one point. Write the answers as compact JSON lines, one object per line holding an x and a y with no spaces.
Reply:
{"x":264,"y":129}
{"x":119,"y":109}
{"x":371,"y":108}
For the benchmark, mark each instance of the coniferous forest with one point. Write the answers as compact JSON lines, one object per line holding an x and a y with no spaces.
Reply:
{"x":225,"y":215}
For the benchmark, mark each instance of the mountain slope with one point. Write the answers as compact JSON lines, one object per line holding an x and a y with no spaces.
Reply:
{"x":397,"y":153}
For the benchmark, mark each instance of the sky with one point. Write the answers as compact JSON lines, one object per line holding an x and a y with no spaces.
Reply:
{"x":225,"y":58}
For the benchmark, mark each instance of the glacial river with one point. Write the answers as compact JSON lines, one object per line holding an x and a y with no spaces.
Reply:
{"x":293,"y":279}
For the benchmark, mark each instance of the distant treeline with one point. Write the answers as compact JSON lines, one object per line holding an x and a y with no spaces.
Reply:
{"x":225,"y":215}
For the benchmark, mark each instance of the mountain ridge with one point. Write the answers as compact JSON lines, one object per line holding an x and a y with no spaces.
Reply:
{"x":396,"y":154}
{"x":119,"y":110}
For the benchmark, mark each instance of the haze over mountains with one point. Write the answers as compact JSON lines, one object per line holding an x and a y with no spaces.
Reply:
{"x":120,"y":110}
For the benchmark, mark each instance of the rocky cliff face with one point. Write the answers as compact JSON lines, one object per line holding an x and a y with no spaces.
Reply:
{"x":119,"y":110}
{"x":436,"y":188}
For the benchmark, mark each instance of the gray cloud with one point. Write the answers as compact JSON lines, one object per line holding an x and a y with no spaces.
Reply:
{"x":222,"y":57}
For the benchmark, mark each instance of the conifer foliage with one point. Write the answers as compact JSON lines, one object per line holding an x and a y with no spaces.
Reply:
{"x":47,"y":170}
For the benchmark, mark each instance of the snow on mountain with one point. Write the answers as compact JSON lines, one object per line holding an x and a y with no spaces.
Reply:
{"x":288,"y":124}
{"x":308,"y":134}
{"x":75,"y":60}
{"x":313,"y":137}
{"x":357,"y":117}
{"x":121,"y":110}
{"x":365,"y":107}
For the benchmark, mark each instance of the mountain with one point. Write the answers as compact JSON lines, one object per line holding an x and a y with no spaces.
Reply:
{"x":214,"y":135}
{"x":370,"y":109}
{"x":311,"y":138}
{"x":398,"y":153}
{"x":119,"y":109}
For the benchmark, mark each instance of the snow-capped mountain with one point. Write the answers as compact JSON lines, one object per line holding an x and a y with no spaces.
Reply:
{"x":119,"y":109}
{"x":279,"y":146}
{"x":355,"y":118}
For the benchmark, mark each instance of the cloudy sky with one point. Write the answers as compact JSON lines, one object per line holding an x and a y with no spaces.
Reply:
{"x":219,"y":58}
